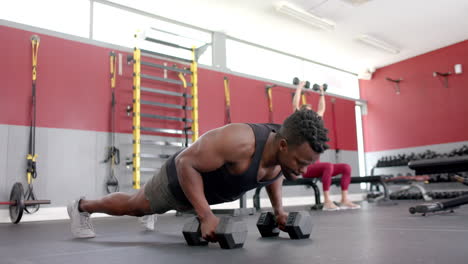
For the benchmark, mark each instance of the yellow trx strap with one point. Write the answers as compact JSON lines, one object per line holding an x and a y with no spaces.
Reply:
{"x":113,"y":66}
{"x":35,"y":49}
{"x":31,"y":157}
{"x":270,"y":101}
{"x":227,"y":97}
{"x":112,"y":184}
{"x":182,"y":78}
{"x":303,"y":97}
{"x":270,"y":104}
{"x":227,"y":93}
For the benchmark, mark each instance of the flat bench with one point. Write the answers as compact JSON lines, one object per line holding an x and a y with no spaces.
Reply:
{"x":312,"y":182}
{"x":378,"y":179}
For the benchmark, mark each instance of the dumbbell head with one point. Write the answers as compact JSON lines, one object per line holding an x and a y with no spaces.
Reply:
{"x":192,"y":233}
{"x":316,"y":87}
{"x":267,"y":225}
{"x":231,"y":234}
{"x":296,"y":81}
{"x":299,"y":225}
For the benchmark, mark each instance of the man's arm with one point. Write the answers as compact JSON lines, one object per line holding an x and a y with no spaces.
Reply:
{"x":274,"y":191}
{"x":321,"y":103}
{"x":211,"y":151}
{"x":297,"y":96}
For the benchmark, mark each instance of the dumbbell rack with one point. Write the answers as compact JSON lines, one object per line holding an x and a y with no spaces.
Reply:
{"x":137,"y":128}
{"x":404,"y":189}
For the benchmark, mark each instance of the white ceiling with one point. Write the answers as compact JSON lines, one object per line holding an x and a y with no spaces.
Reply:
{"x":414,"y":26}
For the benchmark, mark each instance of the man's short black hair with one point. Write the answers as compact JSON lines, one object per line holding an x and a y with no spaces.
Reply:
{"x":305,"y":125}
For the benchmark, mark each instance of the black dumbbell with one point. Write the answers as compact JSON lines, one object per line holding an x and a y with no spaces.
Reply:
{"x":298,"y":225}
{"x":296,"y":82}
{"x":267,"y":225}
{"x":229,"y":233}
{"x":316,"y":87}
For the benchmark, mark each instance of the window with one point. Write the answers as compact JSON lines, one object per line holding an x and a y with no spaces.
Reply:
{"x":261,"y":62}
{"x":256,"y":61}
{"x":340,"y":83}
{"x":118,"y":26}
{"x":71,"y":16}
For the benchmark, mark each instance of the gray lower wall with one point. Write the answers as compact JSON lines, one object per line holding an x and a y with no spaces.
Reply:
{"x":4,"y":186}
{"x":70,"y":163}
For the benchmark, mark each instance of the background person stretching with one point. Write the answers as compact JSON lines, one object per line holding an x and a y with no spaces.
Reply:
{"x":326,"y":170}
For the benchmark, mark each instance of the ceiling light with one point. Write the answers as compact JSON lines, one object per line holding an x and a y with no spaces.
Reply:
{"x":377,"y":43}
{"x":301,"y":14}
{"x":356,"y":2}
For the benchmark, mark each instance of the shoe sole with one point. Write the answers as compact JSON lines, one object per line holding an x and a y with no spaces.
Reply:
{"x":69,"y":210}
{"x":331,"y":210}
{"x":350,"y":208}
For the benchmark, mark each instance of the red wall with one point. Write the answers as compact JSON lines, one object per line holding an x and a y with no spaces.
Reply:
{"x":70,"y":81}
{"x":425,"y":112}
{"x":73,"y":91}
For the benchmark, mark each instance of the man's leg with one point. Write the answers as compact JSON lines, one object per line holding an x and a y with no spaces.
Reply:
{"x":81,"y":209}
{"x":118,"y":204}
{"x":154,"y":198}
{"x":123,"y":204}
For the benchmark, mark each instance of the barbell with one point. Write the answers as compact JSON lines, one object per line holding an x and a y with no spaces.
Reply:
{"x":17,"y":202}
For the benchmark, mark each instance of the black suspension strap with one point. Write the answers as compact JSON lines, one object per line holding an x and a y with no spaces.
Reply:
{"x":186,"y":126}
{"x":32,"y":156}
{"x":335,"y":131}
{"x":112,"y":184}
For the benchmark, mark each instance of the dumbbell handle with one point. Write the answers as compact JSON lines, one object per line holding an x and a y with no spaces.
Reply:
{"x":27,"y":202}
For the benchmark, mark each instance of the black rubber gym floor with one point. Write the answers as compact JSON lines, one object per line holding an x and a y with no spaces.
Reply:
{"x":373,"y":234}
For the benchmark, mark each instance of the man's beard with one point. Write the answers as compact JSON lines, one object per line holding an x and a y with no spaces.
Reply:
{"x":289,"y":174}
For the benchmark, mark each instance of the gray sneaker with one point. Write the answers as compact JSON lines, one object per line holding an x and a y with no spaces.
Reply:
{"x":147,"y":222}
{"x":81,"y":226}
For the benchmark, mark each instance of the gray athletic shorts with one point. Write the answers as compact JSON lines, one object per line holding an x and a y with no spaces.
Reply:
{"x":159,"y":195}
